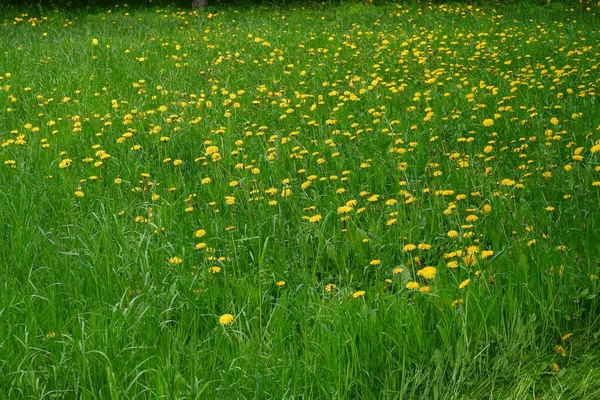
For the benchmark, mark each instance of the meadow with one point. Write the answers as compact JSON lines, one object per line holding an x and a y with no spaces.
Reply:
{"x":396,"y":200}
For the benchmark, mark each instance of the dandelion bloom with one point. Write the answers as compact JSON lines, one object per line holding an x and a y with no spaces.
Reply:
{"x":427,"y":272}
{"x":457,"y":303}
{"x":229,"y":200}
{"x":409,"y":247}
{"x":488,"y":122}
{"x":486,"y":253}
{"x":464,"y":283}
{"x":560,"y":350}
{"x":226,"y":319}
{"x":507,"y":182}
{"x":330,"y":287}
{"x":472,"y":249}
{"x":210,"y":150}
{"x":412,"y":285}
{"x":471,"y":218}
{"x":358,"y":293}
{"x":314,"y":219}
{"x":470,"y":260}
{"x":200,"y":233}
{"x":344,"y":209}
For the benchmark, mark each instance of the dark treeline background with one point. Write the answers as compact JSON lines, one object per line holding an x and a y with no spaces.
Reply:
{"x":51,"y":4}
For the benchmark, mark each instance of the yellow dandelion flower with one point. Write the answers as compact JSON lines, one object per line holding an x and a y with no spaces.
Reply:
{"x":175,"y":260}
{"x":471,"y":218}
{"x":210,"y":150}
{"x":560,"y":350}
{"x":200,"y":233}
{"x":358,"y":293}
{"x":314,"y":219}
{"x":413,"y":286}
{"x":456,"y":303}
{"x":464,"y":283}
{"x":65,"y":163}
{"x":470,"y":260}
{"x":409,"y":247}
{"x":226,"y":319}
{"x":488,"y":122}
{"x":472,"y":249}
{"x":344,"y":209}
{"x":427,"y":272}
{"x":487,"y":253}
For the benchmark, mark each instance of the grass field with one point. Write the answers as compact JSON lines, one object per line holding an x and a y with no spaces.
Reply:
{"x":319,"y":201}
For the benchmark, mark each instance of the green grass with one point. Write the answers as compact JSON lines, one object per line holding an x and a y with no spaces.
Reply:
{"x":390,"y":124}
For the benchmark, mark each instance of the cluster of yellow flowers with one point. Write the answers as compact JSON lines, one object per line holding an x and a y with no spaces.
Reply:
{"x":420,"y":140}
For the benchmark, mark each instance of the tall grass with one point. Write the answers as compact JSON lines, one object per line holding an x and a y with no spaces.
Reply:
{"x":392,"y":201}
